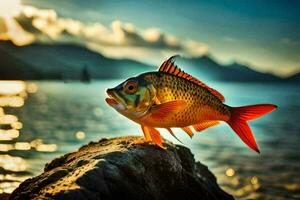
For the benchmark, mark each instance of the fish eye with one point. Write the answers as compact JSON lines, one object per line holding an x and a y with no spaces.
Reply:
{"x":131,"y":87}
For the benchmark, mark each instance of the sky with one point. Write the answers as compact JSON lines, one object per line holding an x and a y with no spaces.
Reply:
{"x":262,"y":34}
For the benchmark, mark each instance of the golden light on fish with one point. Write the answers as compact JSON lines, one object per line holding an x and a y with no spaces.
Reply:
{"x":22,"y":146}
{"x":80,"y":135}
{"x":16,"y":164}
{"x":1,"y":111}
{"x":6,"y":135}
{"x":230,"y":172}
{"x":171,"y":98}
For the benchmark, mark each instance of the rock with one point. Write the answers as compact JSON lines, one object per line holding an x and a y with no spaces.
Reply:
{"x":123,"y":168}
{"x":4,"y":196}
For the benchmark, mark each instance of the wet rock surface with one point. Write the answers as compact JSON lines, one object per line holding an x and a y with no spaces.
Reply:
{"x":123,"y":168}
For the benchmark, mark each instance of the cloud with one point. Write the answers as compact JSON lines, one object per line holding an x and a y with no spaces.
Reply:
{"x":3,"y":28}
{"x":120,"y":39}
{"x":10,"y":29}
{"x":196,"y":48}
{"x":125,"y":35}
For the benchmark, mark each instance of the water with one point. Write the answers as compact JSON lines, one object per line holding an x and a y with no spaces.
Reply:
{"x":43,"y":120}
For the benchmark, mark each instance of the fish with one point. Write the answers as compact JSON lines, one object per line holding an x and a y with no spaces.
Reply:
{"x":171,"y":98}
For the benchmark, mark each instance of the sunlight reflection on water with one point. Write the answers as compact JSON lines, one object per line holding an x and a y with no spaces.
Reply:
{"x":11,"y":163}
{"x":13,"y":94}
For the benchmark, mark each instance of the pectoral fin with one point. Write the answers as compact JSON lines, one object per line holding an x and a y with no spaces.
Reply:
{"x":156,"y":137}
{"x":162,"y":111}
{"x":146,"y":133}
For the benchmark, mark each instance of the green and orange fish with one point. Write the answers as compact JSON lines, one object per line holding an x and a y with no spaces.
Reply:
{"x":170,"y":98}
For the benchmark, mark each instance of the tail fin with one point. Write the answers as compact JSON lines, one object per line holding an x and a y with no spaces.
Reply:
{"x":240,"y":116}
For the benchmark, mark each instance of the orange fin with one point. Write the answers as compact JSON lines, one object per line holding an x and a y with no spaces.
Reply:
{"x":170,"y":68}
{"x":188,"y":130}
{"x":204,"y":125}
{"x":161,"y":111}
{"x":146,"y":133}
{"x":172,"y":133}
{"x":156,"y":137}
{"x":157,"y":101}
{"x":253,"y":111}
{"x":239,"y":118}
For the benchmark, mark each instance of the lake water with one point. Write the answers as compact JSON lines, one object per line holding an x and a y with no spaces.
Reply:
{"x":43,"y":120}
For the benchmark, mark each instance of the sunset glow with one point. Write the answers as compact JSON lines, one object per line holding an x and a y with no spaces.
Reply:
{"x":11,"y":29}
{"x":10,"y":8}
{"x":157,"y":38}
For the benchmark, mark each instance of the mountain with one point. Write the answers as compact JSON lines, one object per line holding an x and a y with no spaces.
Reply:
{"x":68,"y":61}
{"x":14,"y":68}
{"x":206,"y":68}
{"x":294,"y":78}
{"x":62,"y":61}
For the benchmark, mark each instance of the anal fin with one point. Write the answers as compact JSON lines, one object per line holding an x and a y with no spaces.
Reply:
{"x":172,"y":133}
{"x":204,"y":125}
{"x":188,"y":130}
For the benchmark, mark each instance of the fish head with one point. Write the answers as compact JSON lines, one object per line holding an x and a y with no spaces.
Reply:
{"x":132,"y":98}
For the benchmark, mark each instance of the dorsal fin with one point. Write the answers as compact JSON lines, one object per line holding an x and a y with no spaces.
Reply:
{"x":170,"y":68}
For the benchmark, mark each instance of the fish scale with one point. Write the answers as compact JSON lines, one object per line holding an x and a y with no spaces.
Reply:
{"x":201,"y":104}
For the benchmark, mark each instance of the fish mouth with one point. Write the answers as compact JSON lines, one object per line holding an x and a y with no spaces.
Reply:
{"x":114,"y":101}
{"x":111,"y":99}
